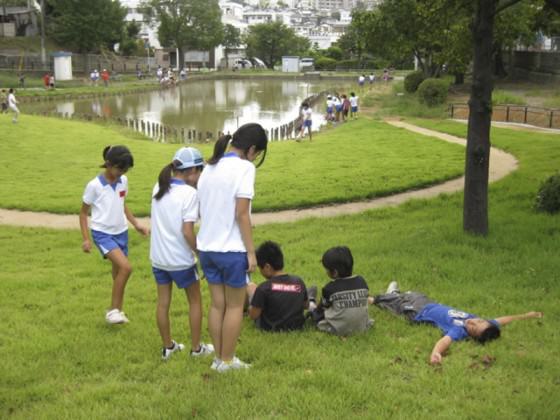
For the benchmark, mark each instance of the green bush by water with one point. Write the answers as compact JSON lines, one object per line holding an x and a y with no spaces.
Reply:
{"x":433,"y":92}
{"x":412,"y":81}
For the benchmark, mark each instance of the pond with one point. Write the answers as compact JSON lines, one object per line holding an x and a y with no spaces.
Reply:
{"x":205,"y":105}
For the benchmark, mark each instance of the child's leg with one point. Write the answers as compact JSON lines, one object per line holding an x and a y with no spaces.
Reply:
{"x":195,"y":313}
{"x":216,"y":316}
{"x":233,"y":316}
{"x":121,"y":273}
{"x":162,"y":313}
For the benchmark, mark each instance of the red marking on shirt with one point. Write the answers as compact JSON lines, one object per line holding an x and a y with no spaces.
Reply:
{"x":290,"y":288}
{"x":122,"y":193}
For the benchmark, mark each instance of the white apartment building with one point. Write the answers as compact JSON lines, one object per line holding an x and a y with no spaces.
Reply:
{"x":147,"y":31}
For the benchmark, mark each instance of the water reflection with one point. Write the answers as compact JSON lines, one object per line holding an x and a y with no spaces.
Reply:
{"x":209,"y":105}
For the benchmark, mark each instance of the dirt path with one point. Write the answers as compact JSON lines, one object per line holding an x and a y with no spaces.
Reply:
{"x":501,"y":164}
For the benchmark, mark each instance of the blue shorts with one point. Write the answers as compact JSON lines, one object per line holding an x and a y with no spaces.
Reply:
{"x":354,"y":109}
{"x":307,"y":123}
{"x":229,"y":268}
{"x":182,"y":278}
{"x":329,"y":110}
{"x":338,"y":108}
{"x":107,"y":242}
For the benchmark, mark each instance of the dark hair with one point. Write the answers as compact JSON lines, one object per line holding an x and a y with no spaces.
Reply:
{"x":11,"y":90}
{"x":305,"y":104}
{"x":118,"y":156}
{"x":352,"y":94}
{"x":339,"y":259}
{"x":270,"y":253}
{"x":492,"y":332}
{"x":164,"y":179}
{"x":244,"y":138}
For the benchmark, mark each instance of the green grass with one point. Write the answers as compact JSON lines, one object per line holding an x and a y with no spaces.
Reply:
{"x":504,"y":97}
{"x":47,"y":162}
{"x":60,"y":360}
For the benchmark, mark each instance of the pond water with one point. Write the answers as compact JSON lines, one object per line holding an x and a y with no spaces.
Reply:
{"x":206,"y":105}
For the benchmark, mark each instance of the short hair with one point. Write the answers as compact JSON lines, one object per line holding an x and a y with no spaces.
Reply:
{"x":492,"y":332}
{"x":339,"y":259}
{"x":270,"y":253}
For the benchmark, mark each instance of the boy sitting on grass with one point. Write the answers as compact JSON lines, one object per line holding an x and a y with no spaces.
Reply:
{"x":343,"y":309}
{"x":279,"y":302}
{"x":456,"y":325}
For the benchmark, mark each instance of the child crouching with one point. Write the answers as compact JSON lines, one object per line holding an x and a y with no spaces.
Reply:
{"x":343,"y":309}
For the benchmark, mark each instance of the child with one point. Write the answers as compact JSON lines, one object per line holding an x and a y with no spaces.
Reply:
{"x":174,"y":212}
{"x":307,"y":120}
{"x":353,"y":105}
{"x":362,"y":80}
{"x":279,"y":302}
{"x":225,"y":239}
{"x":371,"y":78}
{"x":12,"y":104}
{"x":343,"y":309}
{"x":4,"y":101}
{"x":455,"y":325}
{"x":337,"y":107}
{"x":105,"y":195}
{"x":330,"y":108}
{"x":345,"y":107}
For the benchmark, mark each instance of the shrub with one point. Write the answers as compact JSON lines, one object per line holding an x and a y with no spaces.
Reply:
{"x":325,"y":63}
{"x":413,"y":80}
{"x":548,"y":197}
{"x":433,"y":91}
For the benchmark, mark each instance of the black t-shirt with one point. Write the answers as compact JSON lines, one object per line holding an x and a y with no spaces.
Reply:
{"x":281,"y":299}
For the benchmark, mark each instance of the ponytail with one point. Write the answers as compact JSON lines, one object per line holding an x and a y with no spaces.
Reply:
{"x":164,"y":181}
{"x":219,"y":149}
{"x":118,"y":156}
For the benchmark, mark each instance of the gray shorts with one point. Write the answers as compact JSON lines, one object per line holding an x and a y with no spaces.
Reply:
{"x":408,"y":304}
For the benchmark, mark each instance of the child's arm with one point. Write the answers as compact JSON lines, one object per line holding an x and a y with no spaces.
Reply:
{"x":439,"y":349}
{"x":140,"y":228}
{"x":86,"y":243}
{"x":504,"y":320}
{"x":242,"y":215}
{"x":190,"y":237}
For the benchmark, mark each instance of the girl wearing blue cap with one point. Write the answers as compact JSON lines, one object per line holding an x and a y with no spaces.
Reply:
{"x":105,"y":195}
{"x":173,"y":243}
{"x":225,"y":239}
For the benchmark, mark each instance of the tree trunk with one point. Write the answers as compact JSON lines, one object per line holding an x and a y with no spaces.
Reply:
{"x":459,"y":78}
{"x":475,"y":206}
{"x":227,"y":57}
{"x":181,"y":58}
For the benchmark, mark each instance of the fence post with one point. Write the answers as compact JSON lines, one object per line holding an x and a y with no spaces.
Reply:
{"x":507,"y":113}
{"x":551,"y":117}
{"x":525,"y":117}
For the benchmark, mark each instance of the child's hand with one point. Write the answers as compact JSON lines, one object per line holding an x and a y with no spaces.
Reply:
{"x":144,"y":231}
{"x":435,"y":358}
{"x":534,"y":314}
{"x":86,"y":246}
{"x":251,"y":262}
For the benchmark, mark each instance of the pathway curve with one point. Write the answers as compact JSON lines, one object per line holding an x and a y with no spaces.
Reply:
{"x":501,"y":164}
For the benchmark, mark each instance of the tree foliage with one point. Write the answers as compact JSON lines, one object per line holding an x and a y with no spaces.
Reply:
{"x":231,"y":39}
{"x":86,"y":26}
{"x":186,"y":24}
{"x":270,"y":41}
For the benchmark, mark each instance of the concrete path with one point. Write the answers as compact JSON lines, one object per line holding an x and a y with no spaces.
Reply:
{"x":501,"y":164}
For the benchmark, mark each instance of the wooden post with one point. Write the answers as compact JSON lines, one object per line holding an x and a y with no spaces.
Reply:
{"x":551,"y":118}
{"x":507,"y":113}
{"x":525,"y":117}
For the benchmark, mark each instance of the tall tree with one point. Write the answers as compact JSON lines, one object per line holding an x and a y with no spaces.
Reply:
{"x":232,"y":39}
{"x":86,"y":26}
{"x":187,"y":24}
{"x":270,"y":41}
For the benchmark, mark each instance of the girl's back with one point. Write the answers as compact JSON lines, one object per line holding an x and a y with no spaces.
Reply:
{"x":218,"y":188}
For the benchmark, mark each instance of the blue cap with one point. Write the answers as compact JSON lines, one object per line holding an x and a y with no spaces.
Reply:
{"x":188,"y":157}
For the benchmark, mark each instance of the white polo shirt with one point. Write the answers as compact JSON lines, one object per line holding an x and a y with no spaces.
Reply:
{"x":107,"y":204}
{"x":353,"y":101}
{"x":169,"y":249}
{"x":218,"y":188}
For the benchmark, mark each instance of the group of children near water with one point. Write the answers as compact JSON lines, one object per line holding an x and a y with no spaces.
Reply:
{"x":219,"y":195}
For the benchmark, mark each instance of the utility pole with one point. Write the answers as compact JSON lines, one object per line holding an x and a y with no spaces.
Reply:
{"x":43,"y":53}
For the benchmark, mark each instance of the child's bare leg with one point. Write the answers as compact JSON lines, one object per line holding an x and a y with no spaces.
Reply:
{"x":233,"y":317}
{"x":216,"y":316}
{"x":195,"y":313}
{"x":162,"y":313}
{"x":123,"y":269}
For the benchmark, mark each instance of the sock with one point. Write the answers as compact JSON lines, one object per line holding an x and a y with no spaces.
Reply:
{"x":172,"y":347}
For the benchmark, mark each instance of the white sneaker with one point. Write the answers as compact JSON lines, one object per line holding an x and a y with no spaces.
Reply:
{"x":166,"y":353}
{"x":204,"y":350}
{"x":234,"y":364}
{"x":115,"y":316}
{"x":215,"y":363}
{"x":393,"y":287}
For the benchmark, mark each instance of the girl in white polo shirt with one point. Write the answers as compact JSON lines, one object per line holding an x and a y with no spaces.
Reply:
{"x":174,"y":212}
{"x":225,"y":241}
{"x":105,"y":195}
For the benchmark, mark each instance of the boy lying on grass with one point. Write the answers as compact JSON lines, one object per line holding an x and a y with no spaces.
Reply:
{"x":456,"y":325}
{"x":279,"y":302}
{"x":343,"y":309}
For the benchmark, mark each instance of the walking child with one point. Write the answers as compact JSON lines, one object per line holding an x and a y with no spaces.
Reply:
{"x":225,"y":239}
{"x":353,"y":106}
{"x":307,"y":120}
{"x":105,"y":196}
{"x":173,"y":244}
{"x":12,"y":104}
